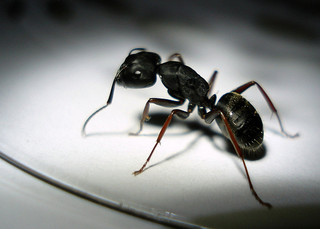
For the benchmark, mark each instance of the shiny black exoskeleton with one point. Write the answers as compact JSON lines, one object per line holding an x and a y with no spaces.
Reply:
{"x":243,"y":119}
{"x":236,"y":117}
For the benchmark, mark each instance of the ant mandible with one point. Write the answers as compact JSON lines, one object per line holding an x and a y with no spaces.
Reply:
{"x":237,"y":119}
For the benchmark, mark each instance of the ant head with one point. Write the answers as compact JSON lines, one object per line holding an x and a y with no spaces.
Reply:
{"x":138,"y":70}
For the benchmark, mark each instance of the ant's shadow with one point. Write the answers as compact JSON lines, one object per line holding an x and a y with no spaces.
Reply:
{"x":158,"y":119}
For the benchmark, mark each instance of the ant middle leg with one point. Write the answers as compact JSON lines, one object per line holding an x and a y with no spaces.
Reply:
{"x":180,"y":113}
{"x":245,"y":86}
{"x":160,"y":102}
{"x":211,"y":82}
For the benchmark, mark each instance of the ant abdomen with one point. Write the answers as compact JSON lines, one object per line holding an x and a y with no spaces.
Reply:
{"x":243,"y":119}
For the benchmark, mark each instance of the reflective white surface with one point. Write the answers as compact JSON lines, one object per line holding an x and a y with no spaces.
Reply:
{"x":54,"y":75}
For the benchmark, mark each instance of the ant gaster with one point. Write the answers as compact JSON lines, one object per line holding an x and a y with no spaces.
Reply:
{"x":236,"y":117}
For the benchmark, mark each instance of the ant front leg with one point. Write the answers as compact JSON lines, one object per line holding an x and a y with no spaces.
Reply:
{"x":180,"y":113}
{"x":209,"y":117}
{"x":160,"y":102}
{"x":244,"y":87}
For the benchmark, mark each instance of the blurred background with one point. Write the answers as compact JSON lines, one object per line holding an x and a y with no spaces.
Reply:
{"x":58,"y":60}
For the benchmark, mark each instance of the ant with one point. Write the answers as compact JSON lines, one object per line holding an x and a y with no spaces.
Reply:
{"x":237,"y":119}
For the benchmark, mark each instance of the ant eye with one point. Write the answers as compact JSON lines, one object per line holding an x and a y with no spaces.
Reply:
{"x":138,"y":73}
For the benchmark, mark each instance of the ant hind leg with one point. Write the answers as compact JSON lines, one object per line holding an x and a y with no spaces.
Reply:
{"x":245,"y":86}
{"x":240,"y":154}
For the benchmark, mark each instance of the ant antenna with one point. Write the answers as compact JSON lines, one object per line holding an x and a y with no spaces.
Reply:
{"x":108,"y":102}
{"x":101,"y":108}
{"x":88,"y":119}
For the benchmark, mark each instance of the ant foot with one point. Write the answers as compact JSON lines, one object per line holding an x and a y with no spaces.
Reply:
{"x":137,"y":172}
{"x":269,"y":206}
{"x":147,"y":118}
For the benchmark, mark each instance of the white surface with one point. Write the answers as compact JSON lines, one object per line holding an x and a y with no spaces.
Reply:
{"x":53,"y":76}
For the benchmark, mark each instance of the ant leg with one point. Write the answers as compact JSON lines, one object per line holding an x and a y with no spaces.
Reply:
{"x":210,"y":116}
{"x":180,"y":113}
{"x":176,"y":55}
{"x":211,"y":82}
{"x":160,"y":102}
{"x":272,"y":107}
{"x":136,"y":49}
{"x":236,"y":146}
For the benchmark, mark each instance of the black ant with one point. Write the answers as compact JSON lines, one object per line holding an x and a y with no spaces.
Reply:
{"x":236,"y":117}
